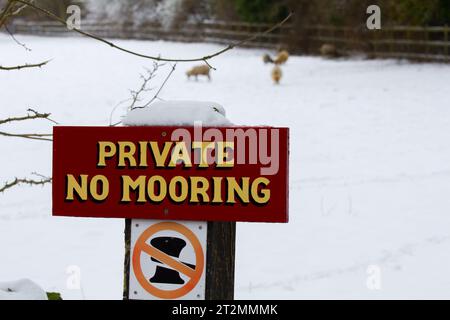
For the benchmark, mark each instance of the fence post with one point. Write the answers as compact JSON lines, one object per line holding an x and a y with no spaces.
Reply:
{"x":447,"y":43}
{"x":409,"y":38}
{"x":374,"y":45}
{"x":391,"y":43}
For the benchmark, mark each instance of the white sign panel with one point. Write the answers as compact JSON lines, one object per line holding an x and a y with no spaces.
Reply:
{"x":168,"y":260}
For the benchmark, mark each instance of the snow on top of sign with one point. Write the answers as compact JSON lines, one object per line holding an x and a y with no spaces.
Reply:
{"x":178,"y":113}
{"x":21,"y":290}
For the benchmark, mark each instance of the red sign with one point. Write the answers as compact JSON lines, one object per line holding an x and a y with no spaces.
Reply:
{"x":171,"y":173}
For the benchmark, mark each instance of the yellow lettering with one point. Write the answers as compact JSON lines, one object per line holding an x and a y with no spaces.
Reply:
{"x":103,"y":186}
{"x":162,"y":188}
{"x":265,"y":192}
{"x":128,"y":183}
{"x":107,"y":149}
{"x":160,"y":157}
{"x":242,"y":191}
{"x":217,"y":190}
{"x":73,"y":186}
{"x":143,"y":154}
{"x":180,"y":153}
{"x":204,"y":147}
{"x":125,"y":154}
{"x":183,"y":189}
{"x":197,"y":190}
{"x":223,"y":156}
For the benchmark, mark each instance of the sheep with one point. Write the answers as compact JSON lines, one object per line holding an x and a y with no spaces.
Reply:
{"x":282,"y":57}
{"x":277,"y":74}
{"x":329,"y":51}
{"x":267,"y":59}
{"x":196,"y":71}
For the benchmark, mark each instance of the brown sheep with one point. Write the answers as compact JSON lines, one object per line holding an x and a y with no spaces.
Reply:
{"x":281,"y":58}
{"x":196,"y":71}
{"x":277,"y":74}
{"x":329,"y":51}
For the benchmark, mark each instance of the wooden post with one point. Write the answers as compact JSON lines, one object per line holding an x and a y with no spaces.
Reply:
{"x":220,"y":260}
{"x":220,"y":257}
{"x":126,"y":264}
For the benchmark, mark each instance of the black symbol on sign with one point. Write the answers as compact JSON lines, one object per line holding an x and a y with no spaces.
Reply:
{"x":172,"y":247}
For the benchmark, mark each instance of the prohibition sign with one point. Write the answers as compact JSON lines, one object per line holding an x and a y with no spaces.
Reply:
{"x":141,"y":246}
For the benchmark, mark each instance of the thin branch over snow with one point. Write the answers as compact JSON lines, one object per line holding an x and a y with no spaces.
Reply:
{"x":31,"y":136}
{"x":32,"y":182}
{"x":25,"y":66}
{"x":12,"y":8}
{"x":156,"y":96}
{"x":136,"y":94}
{"x":15,"y":39}
{"x":32,"y":115}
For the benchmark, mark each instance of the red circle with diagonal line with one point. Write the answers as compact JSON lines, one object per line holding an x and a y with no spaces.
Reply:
{"x":141,"y":246}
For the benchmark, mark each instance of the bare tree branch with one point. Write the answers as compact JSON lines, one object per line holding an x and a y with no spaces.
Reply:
{"x":31,"y":136}
{"x":156,"y":96}
{"x":44,"y":180}
{"x":15,"y":39}
{"x":19,"y":8}
{"x":6,"y":11}
{"x":136,"y":94}
{"x":25,"y":66}
{"x":156,"y":58}
{"x":11,"y":10}
{"x":30,"y":116}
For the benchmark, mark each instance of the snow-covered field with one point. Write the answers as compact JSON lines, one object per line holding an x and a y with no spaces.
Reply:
{"x":370,"y":169}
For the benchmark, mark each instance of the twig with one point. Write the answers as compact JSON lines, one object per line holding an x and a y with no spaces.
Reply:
{"x":111,"y":124}
{"x":143,"y":88}
{"x":25,"y":66}
{"x":34,"y":115}
{"x":44,"y":180}
{"x":109,"y":43}
{"x":19,"y":9}
{"x":32,"y":136}
{"x":6,"y":11}
{"x":209,"y":65}
{"x":15,"y":39}
{"x":160,"y":88}
{"x":136,"y":94}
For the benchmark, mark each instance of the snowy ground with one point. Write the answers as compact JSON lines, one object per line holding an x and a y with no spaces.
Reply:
{"x":370,"y":170}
